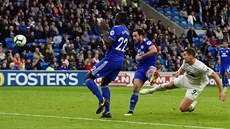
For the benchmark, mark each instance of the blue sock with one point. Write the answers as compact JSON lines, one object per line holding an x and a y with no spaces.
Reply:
{"x":133,"y":101}
{"x":106,"y":94}
{"x":94,"y":89}
{"x":150,"y":76}
{"x":226,"y":81}
{"x":223,"y":81}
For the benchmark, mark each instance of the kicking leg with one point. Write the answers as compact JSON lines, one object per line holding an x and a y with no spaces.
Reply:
{"x":160,"y":87}
{"x":152,"y":75}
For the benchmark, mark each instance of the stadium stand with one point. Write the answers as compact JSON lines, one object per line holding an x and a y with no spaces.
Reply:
{"x":49,"y":24}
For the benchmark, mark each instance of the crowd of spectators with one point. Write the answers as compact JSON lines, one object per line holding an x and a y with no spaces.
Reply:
{"x":207,"y":13}
{"x":73,"y":41}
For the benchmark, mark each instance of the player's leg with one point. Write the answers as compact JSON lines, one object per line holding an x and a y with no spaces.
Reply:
{"x":138,"y":81}
{"x":152,"y":75}
{"x":188,"y":104}
{"x":161,"y":87}
{"x":106,"y":94}
{"x":89,"y":79}
{"x":114,"y":70}
{"x":137,"y":84}
{"x":185,"y":105}
{"x":101,"y":69}
{"x":177,"y":82}
{"x":224,"y":75}
{"x":225,"y":79}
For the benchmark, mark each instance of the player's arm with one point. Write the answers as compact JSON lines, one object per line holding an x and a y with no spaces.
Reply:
{"x":215,"y":76}
{"x":108,"y":42}
{"x":219,"y":60}
{"x":104,"y":28}
{"x":180,"y":71}
{"x":151,"y":52}
{"x":222,"y":95}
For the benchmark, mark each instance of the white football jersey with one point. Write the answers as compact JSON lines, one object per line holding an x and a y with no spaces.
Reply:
{"x":196,"y":74}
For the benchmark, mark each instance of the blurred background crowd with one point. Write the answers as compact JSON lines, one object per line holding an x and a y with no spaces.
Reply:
{"x":66,"y":35}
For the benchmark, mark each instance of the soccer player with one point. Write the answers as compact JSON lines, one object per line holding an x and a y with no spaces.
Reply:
{"x":193,"y":76}
{"x":109,"y":67}
{"x":146,"y":58}
{"x":224,"y":62}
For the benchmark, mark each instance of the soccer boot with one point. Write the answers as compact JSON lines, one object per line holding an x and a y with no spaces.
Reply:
{"x":102,"y":105}
{"x":146,"y":91}
{"x":154,"y":77}
{"x":130,"y":113}
{"x":106,"y":115}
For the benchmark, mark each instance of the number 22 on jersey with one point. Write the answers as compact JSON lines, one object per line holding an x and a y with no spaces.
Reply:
{"x":122,"y":43}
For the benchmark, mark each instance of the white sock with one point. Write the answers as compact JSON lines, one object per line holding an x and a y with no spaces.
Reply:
{"x":192,"y":106}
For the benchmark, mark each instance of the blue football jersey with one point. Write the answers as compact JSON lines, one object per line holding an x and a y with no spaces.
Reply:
{"x":143,"y":48}
{"x":224,"y":55}
{"x":120,"y":35}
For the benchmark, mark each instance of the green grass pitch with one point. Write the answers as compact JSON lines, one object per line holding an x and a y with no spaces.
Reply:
{"x":74,"y":108}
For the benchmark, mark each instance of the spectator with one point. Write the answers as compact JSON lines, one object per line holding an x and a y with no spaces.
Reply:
{"x":66,"y":46}
{"x":17,"y":61}
{"x":191,"y":34}
{"x":200,"y":18}
{"x":80,"y":64}
{"x":77,"y":43}
{"x":210,"y":33}
{"x":183,"y":12}
{"x":89,"y":65}
{"x":64,"y":66}
{"x":85,"y":38}
{"x":127,"y":64}
{"x":28,"y":64}
{"x":2,"y":53}
{"x":205,"y":26}
{"x":4,"y":66}
{"x":72,"y":61}
{"x":50,"y":68}
{"x":191,"y":19}
{"x":219,"y":34}
{"x":37,"y":58}
{"x":212,"y":41}
{"x":49,"y":56}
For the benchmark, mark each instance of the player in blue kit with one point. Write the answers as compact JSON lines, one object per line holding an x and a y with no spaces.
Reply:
{"x":109,"y":67}
{"x":224,"y":62}
{"x":146,"y":58}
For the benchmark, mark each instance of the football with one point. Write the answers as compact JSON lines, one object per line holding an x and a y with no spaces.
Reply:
{"x":20,"y":40}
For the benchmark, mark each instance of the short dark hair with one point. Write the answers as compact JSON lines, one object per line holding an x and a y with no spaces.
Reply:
{"x":122,"y":17}
{"x":140,"y":31}
{"x":190,"y":51}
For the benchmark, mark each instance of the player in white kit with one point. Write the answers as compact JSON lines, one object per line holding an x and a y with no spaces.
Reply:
{"x":192,"y":75}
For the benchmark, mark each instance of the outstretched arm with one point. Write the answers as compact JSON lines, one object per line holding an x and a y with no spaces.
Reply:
{"x":222,"y":95}
{"x":180,"y":71}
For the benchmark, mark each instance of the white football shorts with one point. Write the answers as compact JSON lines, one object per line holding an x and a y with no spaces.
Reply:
{"x":191,"y":92}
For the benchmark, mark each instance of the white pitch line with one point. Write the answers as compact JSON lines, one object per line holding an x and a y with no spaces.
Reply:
{"x":115,"y":121}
